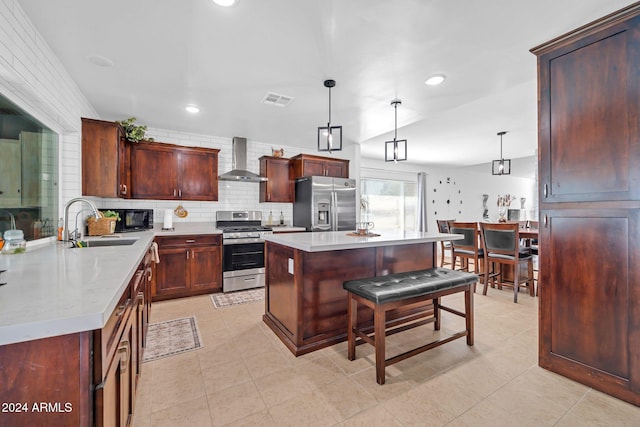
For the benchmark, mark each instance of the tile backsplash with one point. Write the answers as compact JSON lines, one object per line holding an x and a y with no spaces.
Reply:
{"x":231,"y":195}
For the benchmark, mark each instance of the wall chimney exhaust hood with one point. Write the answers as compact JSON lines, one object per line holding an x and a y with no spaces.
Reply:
{"x":239,"y":170}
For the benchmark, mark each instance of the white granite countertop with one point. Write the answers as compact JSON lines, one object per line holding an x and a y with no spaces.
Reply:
{"x":55,"y":290}
{"x":319,"y":241}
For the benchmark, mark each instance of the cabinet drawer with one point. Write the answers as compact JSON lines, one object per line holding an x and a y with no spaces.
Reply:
{"x":189,"y":240}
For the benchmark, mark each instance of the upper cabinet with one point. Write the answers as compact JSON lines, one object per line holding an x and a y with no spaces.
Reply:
{"x":310,"y":165}
{"x":280,"y":186}
{"x":172,"y":172}
{"x":589,"y":138}
{"x":105,"y":159}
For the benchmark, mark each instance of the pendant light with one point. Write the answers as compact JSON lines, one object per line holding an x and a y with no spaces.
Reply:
{"x":396,"y":150}
{"x":501,"y":166}
{"x":329,"y":137}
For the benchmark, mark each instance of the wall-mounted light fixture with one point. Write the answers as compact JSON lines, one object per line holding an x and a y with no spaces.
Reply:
{"x":501,"y":166}
{"x":329,"y":137}
{"x":396,"y":150}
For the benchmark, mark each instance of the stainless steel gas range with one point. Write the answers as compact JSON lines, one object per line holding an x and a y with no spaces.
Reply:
{"x":243,"y":254}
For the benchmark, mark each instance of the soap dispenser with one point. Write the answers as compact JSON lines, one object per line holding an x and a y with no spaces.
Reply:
{"x":281,"y":218}
{"x":270,"y":219}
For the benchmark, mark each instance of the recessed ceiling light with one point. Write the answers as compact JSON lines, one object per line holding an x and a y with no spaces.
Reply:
{"x":192,"y":109}
{"x":435,"y":80}
{"x":225,"y":3}
{"x":99,"y":60}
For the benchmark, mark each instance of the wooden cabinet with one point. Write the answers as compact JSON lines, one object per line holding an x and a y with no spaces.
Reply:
{"x":589,"y":164}
{"x":189,"y":265}
{"x":172,"y":172}
{"x":280,"y":187}
{"x":105,"y":159}
{"x":310,"y":165}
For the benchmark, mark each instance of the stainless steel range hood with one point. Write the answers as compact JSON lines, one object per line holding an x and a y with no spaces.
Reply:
{"x":239,"y":170}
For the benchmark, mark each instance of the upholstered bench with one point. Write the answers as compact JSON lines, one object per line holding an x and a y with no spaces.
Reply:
{"x":384,"y":293}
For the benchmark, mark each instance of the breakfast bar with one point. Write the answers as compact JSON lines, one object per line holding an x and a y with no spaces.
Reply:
{"x":305,"y":303}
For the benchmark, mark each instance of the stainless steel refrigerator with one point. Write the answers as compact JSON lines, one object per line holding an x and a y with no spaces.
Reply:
{"x":325,"y":203}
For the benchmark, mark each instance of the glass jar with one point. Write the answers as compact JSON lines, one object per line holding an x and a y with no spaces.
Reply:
{"x":14,"y":242}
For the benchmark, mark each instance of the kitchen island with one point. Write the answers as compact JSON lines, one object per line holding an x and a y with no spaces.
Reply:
{"x":305,"y":304}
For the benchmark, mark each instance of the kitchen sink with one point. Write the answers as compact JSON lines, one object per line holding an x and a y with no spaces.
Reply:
{"x":103,"y":242}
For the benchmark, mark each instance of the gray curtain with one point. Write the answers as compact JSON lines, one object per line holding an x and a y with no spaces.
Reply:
{"x":421,"y":217}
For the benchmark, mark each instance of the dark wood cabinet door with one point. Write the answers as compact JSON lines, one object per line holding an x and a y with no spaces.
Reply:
{"x":313,"y":167}
{"x":154,"y":172}
{"x":280,"y":187}
{"x":590,"y":294}
{"x":337,"y":169}
{"x":198,"y":179}
{"x":173,"y":271}
{"x":206,"y":268}
{"x":105,"y":159}
{"x":589,"y":107}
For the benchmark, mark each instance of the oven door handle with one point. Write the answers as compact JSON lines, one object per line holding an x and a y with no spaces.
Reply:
{"x":247,"y":253}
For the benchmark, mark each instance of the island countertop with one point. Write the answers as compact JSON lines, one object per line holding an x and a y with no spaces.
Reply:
{"x":319,"y":241}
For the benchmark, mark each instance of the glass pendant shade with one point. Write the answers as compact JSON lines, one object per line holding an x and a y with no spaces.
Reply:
{"x":329,"y":137}
{"x":501,"y":166}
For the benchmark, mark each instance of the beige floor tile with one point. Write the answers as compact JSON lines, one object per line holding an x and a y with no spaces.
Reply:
{"x":281,"y":386}
{"x":170,"y":393}
{"x":307,"y":410}
{"x":225,"y":375}
{"x":319,"y":372}
{"x":346,"y":396}
{"x":599,"y":409}
{"x":259,"y":419}
{"x":194,"y":413}
{"x":266,"y":363}
{"x":235,"y":403}
{"x":393,"y":386}
{"x":374,"y":416}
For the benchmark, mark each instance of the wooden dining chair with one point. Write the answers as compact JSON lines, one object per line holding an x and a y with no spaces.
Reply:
{"x":501,"y":244}
{"x":467,"y":249}
{"x":445,"y":245}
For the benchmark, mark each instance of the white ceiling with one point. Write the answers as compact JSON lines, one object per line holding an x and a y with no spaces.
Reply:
{"x":169,"y":53}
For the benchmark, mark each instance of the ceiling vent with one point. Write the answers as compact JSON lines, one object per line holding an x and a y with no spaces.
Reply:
{"x":276,"y":99}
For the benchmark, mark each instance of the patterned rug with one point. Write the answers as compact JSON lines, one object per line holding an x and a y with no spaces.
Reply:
{"x":171,"y":337}
{"x":238,"y":297}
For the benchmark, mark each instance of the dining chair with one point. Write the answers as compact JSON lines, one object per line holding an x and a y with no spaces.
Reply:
{"x":467,"y":249}
{"x":501,"y":244}
{"x":443,"y":227}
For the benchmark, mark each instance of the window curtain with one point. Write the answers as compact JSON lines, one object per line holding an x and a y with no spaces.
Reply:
{"x":421,"y":205}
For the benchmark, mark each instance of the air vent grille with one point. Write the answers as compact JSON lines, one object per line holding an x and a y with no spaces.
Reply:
{"x":277,"y":99}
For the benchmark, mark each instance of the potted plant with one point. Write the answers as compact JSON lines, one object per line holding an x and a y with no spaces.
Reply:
{"x":105,"y":225}
{"x":132,"y":132}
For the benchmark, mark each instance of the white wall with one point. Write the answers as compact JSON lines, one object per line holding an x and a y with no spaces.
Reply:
{"x":456,"y":186}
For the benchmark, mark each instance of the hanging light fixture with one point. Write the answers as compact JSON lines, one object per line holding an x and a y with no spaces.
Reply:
{"x":396,"y":150}
{"x":329,"y":137}
{"x":501,"y":166}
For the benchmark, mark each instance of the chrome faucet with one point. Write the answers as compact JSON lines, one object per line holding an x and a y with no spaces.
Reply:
{"x":66,"y":236}
{"x":13,"y":219}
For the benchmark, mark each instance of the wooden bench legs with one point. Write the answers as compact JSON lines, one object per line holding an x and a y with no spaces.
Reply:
{"x":380,"y":331}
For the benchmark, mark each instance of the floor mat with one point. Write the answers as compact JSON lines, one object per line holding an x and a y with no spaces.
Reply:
{"x":238,"y":297}
{"x":171,"y":337}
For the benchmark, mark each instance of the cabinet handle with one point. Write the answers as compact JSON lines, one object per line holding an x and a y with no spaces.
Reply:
{"x":174,"y":192}
{"x":193,"y":254}
{"x":546,"y":220}
{"x":545,"y":190}
{"x":190,"y":241}
{"x":188,"y":254}
{"x":150,"y":270}
{"x":141,"y":296}
{"x":180,"y":193}
{"x":124,"y":188}
{"x":124,"y":348}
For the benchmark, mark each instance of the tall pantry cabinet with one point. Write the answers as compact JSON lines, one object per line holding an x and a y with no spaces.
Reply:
{"x":589,"y":183}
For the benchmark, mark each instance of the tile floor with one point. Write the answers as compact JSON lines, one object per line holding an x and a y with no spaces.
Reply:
{"x":244,"y":376}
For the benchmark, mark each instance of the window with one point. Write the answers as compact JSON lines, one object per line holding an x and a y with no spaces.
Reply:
{"x":28,"y":173}
{"x":389,"y":204}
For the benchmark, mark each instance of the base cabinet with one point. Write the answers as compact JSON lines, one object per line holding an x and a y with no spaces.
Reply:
{"x":82,"y":379}
{"x":189,"y":265}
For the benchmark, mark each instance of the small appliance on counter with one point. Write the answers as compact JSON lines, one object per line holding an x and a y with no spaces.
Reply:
{"x":133,"y":220}
{"x":243,"y":249}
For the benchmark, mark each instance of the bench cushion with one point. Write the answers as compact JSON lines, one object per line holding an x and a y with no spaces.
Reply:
{"x":398,"y":286}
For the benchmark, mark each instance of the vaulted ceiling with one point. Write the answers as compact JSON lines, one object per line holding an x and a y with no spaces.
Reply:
{"x":165,"y":54}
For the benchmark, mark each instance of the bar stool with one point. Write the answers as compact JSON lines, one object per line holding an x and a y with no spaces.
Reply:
{"x":501,"y":244}
{"x":467,"y":249}
{"x":443,"y":227}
